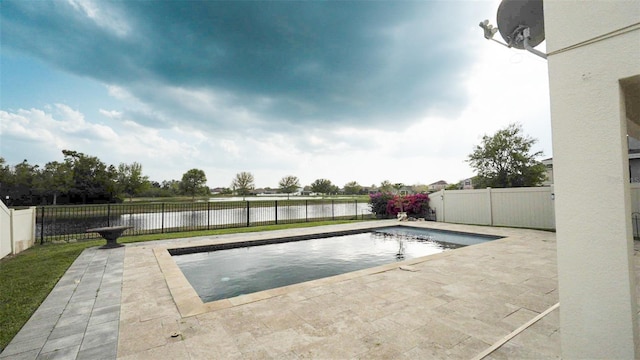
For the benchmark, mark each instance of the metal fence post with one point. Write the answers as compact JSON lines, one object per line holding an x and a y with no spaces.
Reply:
{"x":306,"y":211}
{"x":108,"y":214}
{"x":248,"y":218}
{"x":42,"y":227}
{"x":333,"y":214}
{"x":208,"y":215}
{"x":276,"y":209}
{"x":162,"y":220}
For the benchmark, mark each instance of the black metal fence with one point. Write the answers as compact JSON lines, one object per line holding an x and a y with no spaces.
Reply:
{"x":65,"y":223}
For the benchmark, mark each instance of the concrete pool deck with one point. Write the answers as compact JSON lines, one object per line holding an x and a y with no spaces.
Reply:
{"x":455,"y":304}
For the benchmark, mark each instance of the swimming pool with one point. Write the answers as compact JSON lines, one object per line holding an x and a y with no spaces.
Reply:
{"x":229,"y":270}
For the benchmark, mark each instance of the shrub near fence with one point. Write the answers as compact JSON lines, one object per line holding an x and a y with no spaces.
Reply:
{"x":65,"y":223}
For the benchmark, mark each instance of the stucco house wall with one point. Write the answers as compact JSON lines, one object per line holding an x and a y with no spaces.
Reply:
{"x":594,"y":67}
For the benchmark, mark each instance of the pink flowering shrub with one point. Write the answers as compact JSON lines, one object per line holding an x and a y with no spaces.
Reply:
{"x":386,"y":205}
{"x":378,"y":203}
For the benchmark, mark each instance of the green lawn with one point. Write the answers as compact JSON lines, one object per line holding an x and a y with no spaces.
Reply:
{"x":27,"y":278}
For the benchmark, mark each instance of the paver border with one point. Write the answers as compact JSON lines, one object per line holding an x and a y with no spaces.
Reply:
{"x":189,"y":303}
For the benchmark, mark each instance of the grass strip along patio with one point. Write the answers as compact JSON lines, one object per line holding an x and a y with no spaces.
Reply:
{"x":28,"y":277}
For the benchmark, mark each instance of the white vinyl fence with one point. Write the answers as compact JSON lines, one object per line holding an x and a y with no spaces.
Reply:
{"x":5,"y":231}
{"x":17,"y":230}
{"x":518,"y":207}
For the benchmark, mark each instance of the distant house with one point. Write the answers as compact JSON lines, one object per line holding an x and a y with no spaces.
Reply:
{"x":218,"y":190}
{"x":369,"y":190}
{"x":265,"y":191}
{"x":466,"y":184}
{"x":438,"y":185}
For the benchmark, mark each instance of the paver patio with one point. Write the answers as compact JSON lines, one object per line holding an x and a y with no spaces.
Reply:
{"x":451,"y":305}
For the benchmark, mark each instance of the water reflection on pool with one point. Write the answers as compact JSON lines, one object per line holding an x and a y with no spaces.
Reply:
{"x":227,"y":273}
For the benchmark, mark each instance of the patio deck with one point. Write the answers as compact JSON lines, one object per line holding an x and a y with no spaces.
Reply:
{"x":450,"y":305}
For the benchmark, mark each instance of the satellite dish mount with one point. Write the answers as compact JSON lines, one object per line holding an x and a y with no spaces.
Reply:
{"x":521,"y":25}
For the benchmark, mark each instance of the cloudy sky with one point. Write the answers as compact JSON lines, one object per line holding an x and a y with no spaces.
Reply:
{"x":344,"y":90}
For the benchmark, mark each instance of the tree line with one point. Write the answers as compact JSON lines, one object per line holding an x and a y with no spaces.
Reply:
{"x":85,"y":179}
{"x":502,"y":160}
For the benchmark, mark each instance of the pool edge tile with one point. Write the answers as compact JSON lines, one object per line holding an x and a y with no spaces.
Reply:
{"x":190,"y":304}
{"x":184,"y":296}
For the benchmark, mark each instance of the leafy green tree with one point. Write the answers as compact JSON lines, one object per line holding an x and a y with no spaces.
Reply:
{"x":386,"y":186}
{"x":194,"y":183}
{"x":151,"y":189}
{"x":170,"y":187}
{"x":112,"y":185}
{"x":130,"y":180}
{"x":455,"y":186}
{"x":4,"y":170}
{"x":352,"y":188}
{"x":19,"y":183}
{"x":92,"y":179}
{"x":323,"y":186}
{"x":243,"y":184}
{"x":420,"y":188}
{"x":6,"y":178}
{"x":505,"y":160}
{"x":25,"y":174}
{"x":289,"y":184}
{"x":56,"y":178}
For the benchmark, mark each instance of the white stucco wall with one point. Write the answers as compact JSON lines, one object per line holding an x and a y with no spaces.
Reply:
{"x":570,"y":22}
{"x":591,"y":49}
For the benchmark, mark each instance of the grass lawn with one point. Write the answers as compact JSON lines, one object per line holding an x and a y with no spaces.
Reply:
{"x":27,"y":278}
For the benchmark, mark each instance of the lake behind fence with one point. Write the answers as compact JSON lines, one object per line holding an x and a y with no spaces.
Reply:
{"x":66,"y":223}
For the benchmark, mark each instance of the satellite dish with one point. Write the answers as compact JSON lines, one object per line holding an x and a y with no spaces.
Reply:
{"x":514,"y":16}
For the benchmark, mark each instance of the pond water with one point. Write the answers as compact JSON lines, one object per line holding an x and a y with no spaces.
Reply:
{"x":238,"y":215}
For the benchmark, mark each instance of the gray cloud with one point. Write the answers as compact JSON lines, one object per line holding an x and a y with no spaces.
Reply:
{"x":257,"y":63}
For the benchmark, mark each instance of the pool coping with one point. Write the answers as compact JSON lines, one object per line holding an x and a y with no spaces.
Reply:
{"x":189,"y":303}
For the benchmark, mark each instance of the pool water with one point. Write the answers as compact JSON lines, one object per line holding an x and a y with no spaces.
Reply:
{"x":227,"y":273}
{"x":454,"y":237}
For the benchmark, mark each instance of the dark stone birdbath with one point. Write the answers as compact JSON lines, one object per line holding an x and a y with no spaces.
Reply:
{"x":111,"y":234}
